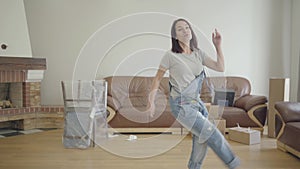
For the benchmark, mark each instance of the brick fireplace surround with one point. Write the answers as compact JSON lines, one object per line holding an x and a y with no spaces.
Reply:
{"x":27,"y":73}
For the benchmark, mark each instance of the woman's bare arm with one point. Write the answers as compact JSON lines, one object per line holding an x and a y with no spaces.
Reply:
{"x":154,"y":87}
{"x":219,"y":64}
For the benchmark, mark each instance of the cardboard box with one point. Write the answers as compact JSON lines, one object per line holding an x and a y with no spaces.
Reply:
{"x":221,"y":125}
{"x":279,"y":90}
{"x":244,"y":135}
{"x":215,"y":113}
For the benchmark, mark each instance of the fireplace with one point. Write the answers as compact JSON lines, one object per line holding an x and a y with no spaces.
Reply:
{"x":20,"y":80}
{"x":11,"y":95}
{"x":19,"y":94}
{"x":20,"y":86}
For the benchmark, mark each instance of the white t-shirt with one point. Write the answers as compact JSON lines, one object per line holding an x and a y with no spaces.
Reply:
{"x":183,"y":68}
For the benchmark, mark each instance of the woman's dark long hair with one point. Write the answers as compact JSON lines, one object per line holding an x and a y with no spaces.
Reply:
{"x":175,"y":44}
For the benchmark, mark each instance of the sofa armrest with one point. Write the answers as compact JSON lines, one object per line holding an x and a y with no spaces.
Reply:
{"x":112,"y":113}
{"x":288,"y":111}
{"x":247,"y":102}
{"x":113,"y":103}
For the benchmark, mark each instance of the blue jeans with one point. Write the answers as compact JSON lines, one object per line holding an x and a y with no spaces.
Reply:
{"x":190,"y":111}
{"x":204,"y":134}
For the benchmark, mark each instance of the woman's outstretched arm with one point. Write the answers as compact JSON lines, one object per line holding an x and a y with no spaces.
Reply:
{"x":154,"y":87}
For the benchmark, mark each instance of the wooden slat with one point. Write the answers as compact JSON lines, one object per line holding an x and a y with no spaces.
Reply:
{"x":22,"y":63}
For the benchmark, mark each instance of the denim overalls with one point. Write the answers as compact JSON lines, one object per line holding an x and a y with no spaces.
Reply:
{"x":190,"y":111}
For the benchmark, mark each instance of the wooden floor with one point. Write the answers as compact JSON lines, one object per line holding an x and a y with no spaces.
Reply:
{"x":45,"y":150}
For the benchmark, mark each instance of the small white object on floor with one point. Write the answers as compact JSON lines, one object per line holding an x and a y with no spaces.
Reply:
{"x":113,"y":135}
{"x":132,"y":137}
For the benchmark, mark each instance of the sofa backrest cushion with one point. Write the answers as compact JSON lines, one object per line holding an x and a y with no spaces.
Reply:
{"x":240,"y":85}
{"x":131,"y":90}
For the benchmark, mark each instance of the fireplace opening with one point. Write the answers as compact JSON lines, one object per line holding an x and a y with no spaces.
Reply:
{"x":11,"y":95}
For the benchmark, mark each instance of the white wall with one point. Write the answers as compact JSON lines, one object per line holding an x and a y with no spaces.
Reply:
{"x":14,"y":30}
{"x":256,"y":37}
{"x":295,"y":50}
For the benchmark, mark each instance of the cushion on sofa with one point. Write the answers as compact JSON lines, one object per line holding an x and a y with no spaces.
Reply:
{"x":289,"y":111}
{"x":133,"y":91}
{"x":248,"y":101}
{"x":240,"y":85}
{"x":234,"y":115}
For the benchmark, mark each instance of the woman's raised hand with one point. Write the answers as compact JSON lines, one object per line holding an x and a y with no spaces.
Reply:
{"x":216,"y":38}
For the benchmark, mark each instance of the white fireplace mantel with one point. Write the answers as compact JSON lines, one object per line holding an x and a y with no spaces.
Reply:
{"x":35,"y":75}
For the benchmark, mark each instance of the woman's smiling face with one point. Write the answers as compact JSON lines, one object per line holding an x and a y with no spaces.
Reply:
{"x":183,"y":32}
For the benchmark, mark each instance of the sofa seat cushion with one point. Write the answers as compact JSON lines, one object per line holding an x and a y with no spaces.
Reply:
{"x":140,"y":114}
{"x":164,"y":119}
{"x":138,"y":117}
{"x":291,"y":135}
{"x":130,"y":117}
{"x":119,"y":121}
{"x":234,"y":115}
{"x":135,"y":114}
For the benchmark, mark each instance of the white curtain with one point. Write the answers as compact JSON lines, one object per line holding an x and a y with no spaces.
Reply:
{"x":298,"y":98}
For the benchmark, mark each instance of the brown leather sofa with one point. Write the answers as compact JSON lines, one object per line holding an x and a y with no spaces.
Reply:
{"x":127,"y":101}
{"x":287,"y":122}
{"x":248,"y":110}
